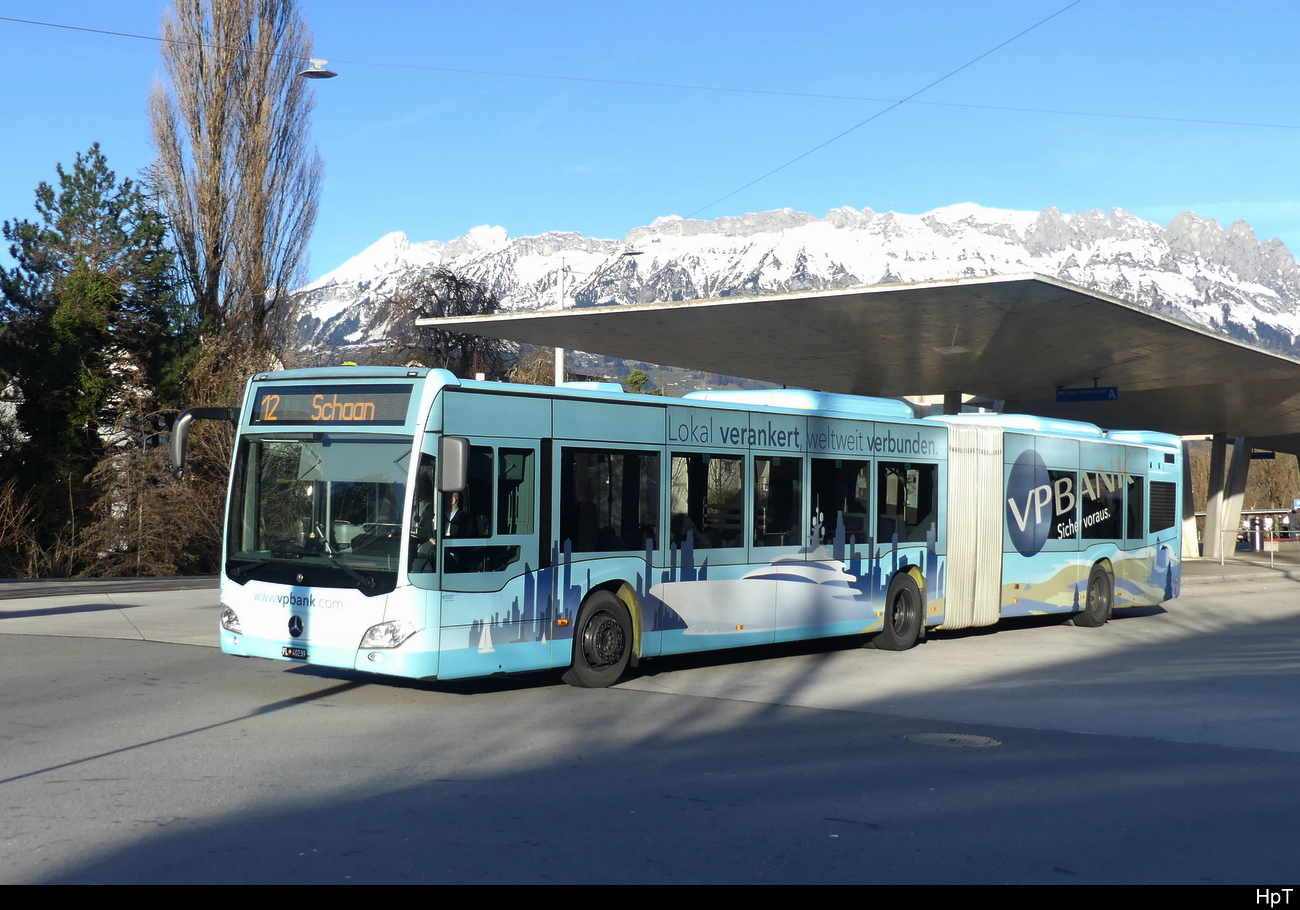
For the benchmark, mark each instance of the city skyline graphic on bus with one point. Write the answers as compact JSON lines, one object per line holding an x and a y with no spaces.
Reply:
{"x":846,"y":569}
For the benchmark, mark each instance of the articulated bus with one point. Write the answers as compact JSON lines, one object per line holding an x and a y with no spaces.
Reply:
{"x":406,"y":522}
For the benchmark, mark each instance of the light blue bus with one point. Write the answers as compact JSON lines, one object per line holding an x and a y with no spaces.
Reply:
{"x":406,"y":522}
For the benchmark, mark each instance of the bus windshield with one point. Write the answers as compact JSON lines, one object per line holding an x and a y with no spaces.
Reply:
{"x":318,"y":501}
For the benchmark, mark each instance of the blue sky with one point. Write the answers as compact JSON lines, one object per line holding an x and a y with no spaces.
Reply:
{"x":412,"y":145}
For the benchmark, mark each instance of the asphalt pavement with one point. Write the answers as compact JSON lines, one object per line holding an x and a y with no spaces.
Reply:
{"x":1160,"y":748}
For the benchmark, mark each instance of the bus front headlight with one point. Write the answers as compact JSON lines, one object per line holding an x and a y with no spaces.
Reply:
{"x":230,"y":621}
{"x":388,"y":634}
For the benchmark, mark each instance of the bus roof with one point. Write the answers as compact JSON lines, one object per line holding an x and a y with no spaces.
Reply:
{"x":350,"y":372}
{"x":827,"y":404}
{"x":1027,"y":423}
{"x":1057,"y":426}
{"x":807,"y":400}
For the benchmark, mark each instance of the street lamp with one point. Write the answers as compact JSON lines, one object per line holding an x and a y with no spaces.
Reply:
{"x":317,"y":70}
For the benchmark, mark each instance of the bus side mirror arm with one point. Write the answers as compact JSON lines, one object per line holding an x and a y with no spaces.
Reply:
{"x":181,"y":432}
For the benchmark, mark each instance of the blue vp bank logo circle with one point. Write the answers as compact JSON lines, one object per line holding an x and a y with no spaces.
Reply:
{"x":1029,"y":503}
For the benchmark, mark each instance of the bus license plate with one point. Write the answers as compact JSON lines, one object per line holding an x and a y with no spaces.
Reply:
{"x":294,"y":653}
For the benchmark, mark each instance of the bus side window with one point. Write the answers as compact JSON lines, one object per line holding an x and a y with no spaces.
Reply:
{"x":707,"y":500}
{"x":468,"y":513}
{"x":1103,"y":505}
{"x":778,"y":501}
{"x":1065,"y":500}
{"x":515,"y":491}
{"x":908,"y":501}
{"x":424,"y":518}
{"x":841,"y":489}
{"x":1134,"y":529}
{"x":609,"y":500}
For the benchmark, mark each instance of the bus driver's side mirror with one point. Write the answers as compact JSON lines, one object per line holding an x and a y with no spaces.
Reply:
{"x":453,"y":464}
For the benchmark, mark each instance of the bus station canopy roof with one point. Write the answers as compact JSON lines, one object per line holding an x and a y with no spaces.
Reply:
{"x":1013,"y":338}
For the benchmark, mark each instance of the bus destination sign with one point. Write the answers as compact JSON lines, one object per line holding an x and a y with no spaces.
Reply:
{"x":331,"y":405}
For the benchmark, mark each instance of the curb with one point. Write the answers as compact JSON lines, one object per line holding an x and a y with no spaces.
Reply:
{"x":1220,"y":579}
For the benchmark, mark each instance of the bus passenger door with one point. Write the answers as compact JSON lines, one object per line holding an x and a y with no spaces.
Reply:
{"x":495,"y":615}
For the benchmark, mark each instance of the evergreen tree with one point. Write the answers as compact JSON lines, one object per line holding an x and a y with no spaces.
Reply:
{"x":89,"y":320}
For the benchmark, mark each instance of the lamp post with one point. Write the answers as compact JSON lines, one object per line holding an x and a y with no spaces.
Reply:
{"x":559,"y":351}
{"x":559,"y":300}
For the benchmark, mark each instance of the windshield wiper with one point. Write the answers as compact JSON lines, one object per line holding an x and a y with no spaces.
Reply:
{"x":245,"y":569}
{"x":364,"y":581}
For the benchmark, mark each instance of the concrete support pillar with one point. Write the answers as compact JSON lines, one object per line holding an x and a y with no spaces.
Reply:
{"x":1234,"y":492}
{"x":952,"y":402}
{"x":1213,"y":543}
{"x":1226,"y":491}
{"x":1190,"y":549}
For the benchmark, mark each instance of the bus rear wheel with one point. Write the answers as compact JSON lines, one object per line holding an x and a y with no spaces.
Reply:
{"x":902,"y":615}
{"x":1100,"y":599}
{"x":602,"y":642}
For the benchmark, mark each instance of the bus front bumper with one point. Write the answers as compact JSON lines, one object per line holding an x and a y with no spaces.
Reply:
{"x":416,"y":658}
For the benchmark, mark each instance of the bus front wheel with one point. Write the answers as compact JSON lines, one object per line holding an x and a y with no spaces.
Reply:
{"x":902,"y":615}
{"x":1100,"y":600}
{"x":602,"y":642}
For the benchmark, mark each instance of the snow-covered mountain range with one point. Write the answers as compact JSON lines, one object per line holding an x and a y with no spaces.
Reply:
{"x":1195,"y":270}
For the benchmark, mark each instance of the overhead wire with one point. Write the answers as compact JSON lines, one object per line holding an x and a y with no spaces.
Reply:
{"x":881,"y":113}
{"x":686,"y":86}
{"x":893,"y":104}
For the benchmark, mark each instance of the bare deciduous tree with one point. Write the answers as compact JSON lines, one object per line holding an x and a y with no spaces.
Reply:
{"x":236,"y":170}
{"x":439,"y":293}
{"x":535,"y":366}
{"x":147,"y":524}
